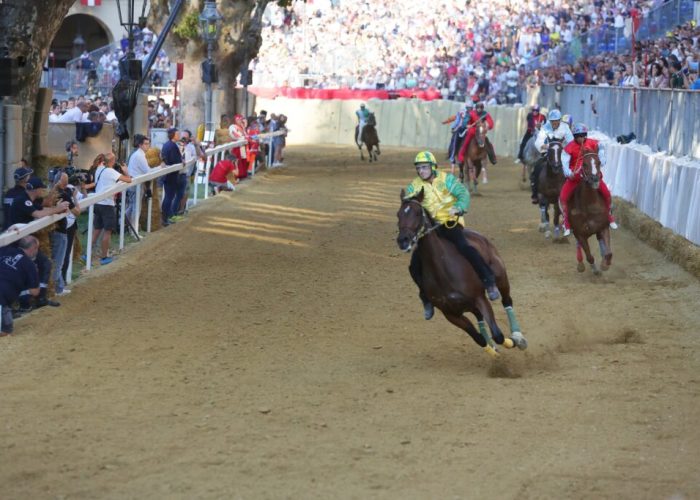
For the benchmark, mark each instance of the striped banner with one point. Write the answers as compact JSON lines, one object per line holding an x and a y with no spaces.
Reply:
{"x":90,"y":3}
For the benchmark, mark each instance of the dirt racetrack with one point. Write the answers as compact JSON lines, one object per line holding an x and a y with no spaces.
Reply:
{"x":272,"y":346}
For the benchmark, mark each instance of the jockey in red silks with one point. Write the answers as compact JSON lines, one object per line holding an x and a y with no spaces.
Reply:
{"x":572,"y":160}
{"x":477,"y":115}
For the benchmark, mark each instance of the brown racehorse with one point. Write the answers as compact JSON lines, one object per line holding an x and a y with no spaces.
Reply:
{"x":588,"y":215}
{"x":369,"y":138}
{"x":451,"y":283}
{"x":550,"y":181}
{"x":474,"y":155}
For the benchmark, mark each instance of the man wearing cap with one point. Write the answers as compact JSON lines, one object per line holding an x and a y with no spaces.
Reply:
{"x":535,"y":119}
{"x":17,"y":273}
{"x":26,"y":207}
{"x":21,"y":177}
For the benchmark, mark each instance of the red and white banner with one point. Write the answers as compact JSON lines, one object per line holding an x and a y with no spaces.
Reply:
{"x":90,"y":3}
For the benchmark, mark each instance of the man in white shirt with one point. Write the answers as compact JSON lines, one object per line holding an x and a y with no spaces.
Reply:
{"x":138,"y":165}
{"x":105,"y":210}
{"x":74,"y":115}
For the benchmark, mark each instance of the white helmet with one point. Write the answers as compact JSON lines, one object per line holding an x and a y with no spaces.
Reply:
{"x":554,"y":115}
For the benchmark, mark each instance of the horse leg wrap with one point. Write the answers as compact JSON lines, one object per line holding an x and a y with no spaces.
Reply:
{"x":484,"y":333}
{"x":514,"y":325}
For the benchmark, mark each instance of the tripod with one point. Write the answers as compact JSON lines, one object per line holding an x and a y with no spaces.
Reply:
{"x":127,"y":222}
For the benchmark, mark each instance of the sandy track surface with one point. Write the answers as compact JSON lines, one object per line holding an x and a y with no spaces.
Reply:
{"x":272,"y":346}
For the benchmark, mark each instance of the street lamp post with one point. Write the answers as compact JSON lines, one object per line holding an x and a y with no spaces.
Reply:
{"x":210,"y":25}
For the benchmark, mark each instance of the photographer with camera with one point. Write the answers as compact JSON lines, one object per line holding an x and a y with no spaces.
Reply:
{"x":137,"y":165}
{"x":59,"y":236}
{"x":107,"y":174}
{"x":26,"y":207}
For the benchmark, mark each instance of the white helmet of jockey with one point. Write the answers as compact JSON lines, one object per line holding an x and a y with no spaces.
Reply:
{"x":362,"y":105}
{"x":580,"y":130}
{"x":567,"y":119}
{"x":468,"y":105}
{"x":554,"y":115}
{"x":536,"y":107}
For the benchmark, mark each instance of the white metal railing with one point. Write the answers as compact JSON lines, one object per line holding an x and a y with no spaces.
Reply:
{"x":213,"y":156}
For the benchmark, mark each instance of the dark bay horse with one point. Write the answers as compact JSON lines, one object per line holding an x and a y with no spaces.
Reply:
{"x":369,"y":138}
{"x":588,"y":215}
{"x":550,"y":181}
{"x":451,"y":283}
{"x":474,"y":155}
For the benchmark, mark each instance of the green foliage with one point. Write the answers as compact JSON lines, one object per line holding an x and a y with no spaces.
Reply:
{"x":286,"y":3}
{"x":188,"y":27}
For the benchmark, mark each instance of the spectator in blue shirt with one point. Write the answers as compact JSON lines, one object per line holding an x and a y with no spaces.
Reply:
{"x":171,"y":155}
{"x":17,"y":273}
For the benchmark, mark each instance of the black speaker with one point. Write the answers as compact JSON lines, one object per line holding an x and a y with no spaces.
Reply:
{"x":247,"y":77}
{"x":9,"y":73}
{"x":209,"y":72}
{"x":130,"y":69}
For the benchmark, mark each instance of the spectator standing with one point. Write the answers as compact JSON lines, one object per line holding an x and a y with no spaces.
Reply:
{"x":171,"y":155}
{"x":17,"y":273}
{"x":21,"y":177}
{"x":105,"y":221}
{"x":59,"y":236}
{"x":72,"y":221}
{"x":137,"y":165}
{"x":237,"y":131}
{"x":192,"y":151}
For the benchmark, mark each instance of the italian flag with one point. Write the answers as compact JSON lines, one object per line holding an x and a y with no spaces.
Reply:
{"x":90,"y":3}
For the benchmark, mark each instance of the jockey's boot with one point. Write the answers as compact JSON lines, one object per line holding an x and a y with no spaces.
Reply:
{"x":428,"y":308}
{"x":492,"y":292}
{"x":611,"y":220}
{"x":490,"y":152}
{"x":565,"y":218}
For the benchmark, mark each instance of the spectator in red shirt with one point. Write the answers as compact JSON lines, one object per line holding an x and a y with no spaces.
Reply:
{"x":218,"y":178}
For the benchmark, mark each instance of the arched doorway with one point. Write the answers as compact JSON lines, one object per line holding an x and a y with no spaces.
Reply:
{"x":78,"y":32}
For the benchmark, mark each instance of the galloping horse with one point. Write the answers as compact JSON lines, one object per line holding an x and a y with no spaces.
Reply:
{"x":473,"y":156}
{"x":550,"y":181}
{"x":369,"y":138}
{"x":588,"y":215}
{"x":451,"y":283}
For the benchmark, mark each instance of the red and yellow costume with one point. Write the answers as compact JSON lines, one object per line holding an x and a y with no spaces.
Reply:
{"x":474,"y":117}
{"x":575,"y":150}
{"x":253,"y":145}
{"x":237,"y":131}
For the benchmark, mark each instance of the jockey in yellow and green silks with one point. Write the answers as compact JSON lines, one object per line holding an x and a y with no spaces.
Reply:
{"x":446,"y":200}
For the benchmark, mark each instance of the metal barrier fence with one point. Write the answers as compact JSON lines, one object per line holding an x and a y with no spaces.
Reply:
{"x":610,"y":39}
{"x":665,"y":120}
{"x":213,"y":156}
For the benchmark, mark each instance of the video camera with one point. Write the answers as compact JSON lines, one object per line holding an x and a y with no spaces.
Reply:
{"x":625,"y":139}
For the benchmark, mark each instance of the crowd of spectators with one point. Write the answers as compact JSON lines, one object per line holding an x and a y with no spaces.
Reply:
{"x":100,"y":69}
{"x":96,"y":109}
{"x":669,"y":62}
{"x":28,"y":276}
{"x":463,"y":49}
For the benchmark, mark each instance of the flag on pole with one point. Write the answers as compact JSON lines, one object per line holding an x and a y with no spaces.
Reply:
{"x":90,"y":3}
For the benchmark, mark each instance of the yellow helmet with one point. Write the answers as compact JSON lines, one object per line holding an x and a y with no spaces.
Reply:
{"x":425,"y":157}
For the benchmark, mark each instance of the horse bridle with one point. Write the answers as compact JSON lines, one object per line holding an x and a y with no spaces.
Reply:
{"x":559,"y":144}
{"x":423,"y":230}
{"x":582,"y":157}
